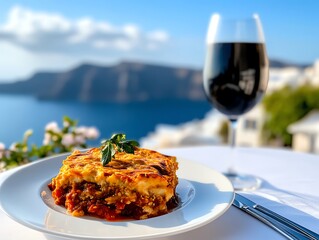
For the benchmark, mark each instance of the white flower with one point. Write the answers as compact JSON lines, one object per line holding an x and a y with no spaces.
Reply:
{"x":92,"y":133}
{"x":47,"y":139}
{"x":28,"y":133}
{"x":80,"y":130}
{"x":88,"y":132}
{"x":68,"y":139}
{"x":66,"y":124}
{"x":2,"y":167}
{"x":2,"y":146}
{"x":13,"y":146}
{"x":79,"y":139}
{"x":2,"y":149}
{"x":52,"y":126}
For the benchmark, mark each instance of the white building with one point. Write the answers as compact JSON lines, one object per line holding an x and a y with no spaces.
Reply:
{"x":306,"y":133}
{"x":280,"y":77}
{"x":311,"y":74}
{"x":196,"y":132}
{"x":249,"y":128}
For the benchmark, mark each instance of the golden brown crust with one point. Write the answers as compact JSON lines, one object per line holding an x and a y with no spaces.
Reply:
{"x":138,"y":185}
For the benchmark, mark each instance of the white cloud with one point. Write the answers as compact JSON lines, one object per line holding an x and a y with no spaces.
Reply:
{"x":17,"y":63}
{"x":51,"y":32}
{"x":13,"y":62}
{"x":158,"y":36}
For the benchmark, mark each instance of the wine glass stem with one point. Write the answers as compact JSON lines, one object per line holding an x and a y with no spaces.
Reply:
{"x":232,"y":143}
{"x":232,"y":132}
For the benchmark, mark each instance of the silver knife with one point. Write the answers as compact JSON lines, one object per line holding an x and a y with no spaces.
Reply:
{"x":279,"y":223}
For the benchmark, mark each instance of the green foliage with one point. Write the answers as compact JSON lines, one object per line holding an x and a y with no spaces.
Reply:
{"x":223,"y":131}
{"x":55,"y":141}
{"x":286,"y":106}
{"x":118,"y":143}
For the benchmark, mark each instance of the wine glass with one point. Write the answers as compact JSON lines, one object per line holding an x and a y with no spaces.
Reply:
{"x":236,"y":75}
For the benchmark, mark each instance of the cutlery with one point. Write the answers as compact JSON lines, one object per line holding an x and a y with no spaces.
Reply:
{"x":289,"y":229}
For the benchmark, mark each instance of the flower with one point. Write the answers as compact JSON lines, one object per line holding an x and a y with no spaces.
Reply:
{"x":68,"y":139}
{"x":80,"y":130}
{"x":2,"y":146}
{"x":88,"y":132}
{"x":92,"y":133}
{"x":79,"y":139}
{"x":13,"y":147}
{"x":55,"y":140}
{"x":46,"y":139}
{"x":52,"y":126}
{"x":28,"y":133}
{"x":2,"y":166}
{"x":2,"y":150}
{"x":66,"y":124}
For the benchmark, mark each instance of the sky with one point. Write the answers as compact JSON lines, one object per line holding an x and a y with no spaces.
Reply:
{"x":51,"y":35}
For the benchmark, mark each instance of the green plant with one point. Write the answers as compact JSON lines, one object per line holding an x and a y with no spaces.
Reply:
{"x":56,"y":140}
{"x":223,"y":131}
{"x":116,"y":143}
{"x":284,"y":107}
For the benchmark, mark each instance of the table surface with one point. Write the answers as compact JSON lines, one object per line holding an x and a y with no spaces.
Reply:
{"x":290,"y":188}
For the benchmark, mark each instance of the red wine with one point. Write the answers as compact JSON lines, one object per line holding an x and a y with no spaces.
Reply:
{"x":235,"y":76}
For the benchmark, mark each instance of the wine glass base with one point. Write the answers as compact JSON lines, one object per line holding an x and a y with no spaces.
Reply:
{"x":244,"y":182}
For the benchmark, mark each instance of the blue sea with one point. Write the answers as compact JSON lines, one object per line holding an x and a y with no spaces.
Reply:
{"x":136,"y":120}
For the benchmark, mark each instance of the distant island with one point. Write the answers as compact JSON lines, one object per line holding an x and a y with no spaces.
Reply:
{"x":124,"y":82}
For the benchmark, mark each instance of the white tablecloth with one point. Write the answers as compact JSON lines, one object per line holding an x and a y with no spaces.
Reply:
{"x":290,"y":188}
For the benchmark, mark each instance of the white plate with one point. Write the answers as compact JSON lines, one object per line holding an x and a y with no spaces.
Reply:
{"x":205,"y":195}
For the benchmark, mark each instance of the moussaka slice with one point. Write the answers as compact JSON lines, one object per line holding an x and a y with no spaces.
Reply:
{"x":137,"y":186}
